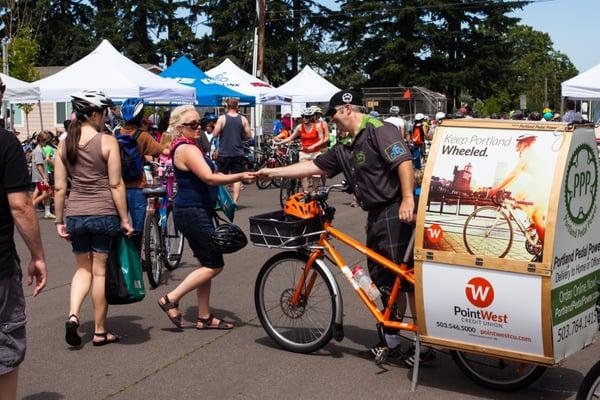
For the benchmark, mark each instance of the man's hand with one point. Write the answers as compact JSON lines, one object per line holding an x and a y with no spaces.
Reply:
{"x":407,"y":207}
{"x":37,"y":270}
{"x":264,"y":173}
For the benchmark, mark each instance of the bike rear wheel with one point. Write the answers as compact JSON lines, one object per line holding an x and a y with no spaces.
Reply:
{"x":302,"y":328}
{"x":174,"y":243}
{"x":153,"y":250}
{"x":590,"y":387}
{"x":488,"y":232}
{"x":497,"y":373}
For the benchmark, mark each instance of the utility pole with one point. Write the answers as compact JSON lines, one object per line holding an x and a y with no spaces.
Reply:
{"x":262,"y":5}
{"x":5,"y":55}
{"x":545,"y":92}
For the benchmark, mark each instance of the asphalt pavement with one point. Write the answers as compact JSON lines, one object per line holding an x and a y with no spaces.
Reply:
{"x":154,"y":361}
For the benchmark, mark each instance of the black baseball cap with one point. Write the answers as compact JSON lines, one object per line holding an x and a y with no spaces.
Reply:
{"x":343,"y":97}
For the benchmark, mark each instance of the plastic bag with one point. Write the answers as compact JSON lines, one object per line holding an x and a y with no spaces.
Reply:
{"x":225,"y":201}
{"x":124,"y":276}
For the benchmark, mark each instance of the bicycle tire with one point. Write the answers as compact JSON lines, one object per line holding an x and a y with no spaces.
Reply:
{"x":294,"y":336}
{"x":481,"y":368}
{"x":277,"y":181}
{"x":493,"y":241}
{"x":590,"y":386}
{"x":153,"y":250}
{"x":174,"y":243}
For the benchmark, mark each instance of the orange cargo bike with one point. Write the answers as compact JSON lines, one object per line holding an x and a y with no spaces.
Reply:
{"x":299,"y":303}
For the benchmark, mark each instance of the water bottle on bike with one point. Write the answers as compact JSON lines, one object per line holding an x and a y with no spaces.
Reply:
{"x":365,"y":283}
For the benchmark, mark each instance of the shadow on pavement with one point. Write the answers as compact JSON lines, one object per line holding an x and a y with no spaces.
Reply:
{"x":191,"y":315}
{"x":124,"y":326}
{"x":44,"y":396}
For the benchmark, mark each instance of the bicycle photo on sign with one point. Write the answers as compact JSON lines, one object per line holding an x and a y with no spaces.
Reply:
{"x":489,"y":193}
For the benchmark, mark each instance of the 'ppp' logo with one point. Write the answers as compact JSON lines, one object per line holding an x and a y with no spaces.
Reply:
{"x":581,"y":186}
{"x":479,"y":292}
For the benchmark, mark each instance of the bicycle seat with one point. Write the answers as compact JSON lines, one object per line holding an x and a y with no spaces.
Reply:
{"x":155,"y":191}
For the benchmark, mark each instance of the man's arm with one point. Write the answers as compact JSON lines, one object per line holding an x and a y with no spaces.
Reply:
{"x":247,"y":131}
{"x":26,"y":222}
{"x":219,"y":126}
{"x":406,"y":176}
{"x":298,"y":170}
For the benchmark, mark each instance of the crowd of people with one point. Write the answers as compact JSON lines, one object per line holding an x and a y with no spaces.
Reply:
{"x":95,"y":174}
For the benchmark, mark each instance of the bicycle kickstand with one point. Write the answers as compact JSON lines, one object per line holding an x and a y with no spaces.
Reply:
{"x":415,"y":371}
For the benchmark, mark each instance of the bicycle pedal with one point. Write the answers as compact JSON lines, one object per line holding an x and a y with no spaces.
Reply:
{"x":382,"y":355}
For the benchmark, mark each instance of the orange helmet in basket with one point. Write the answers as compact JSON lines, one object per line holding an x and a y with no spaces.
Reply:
{"x":295,"y":207}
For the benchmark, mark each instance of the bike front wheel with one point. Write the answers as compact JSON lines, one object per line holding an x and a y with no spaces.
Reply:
{"x":153,"y":250}
{"x":488,"y":232}
{"x":174,"y":242}
{"x":303,"y":327}
{"x":497,"y":373}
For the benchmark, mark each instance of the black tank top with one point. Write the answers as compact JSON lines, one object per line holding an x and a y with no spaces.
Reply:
{"x":230,"y":140}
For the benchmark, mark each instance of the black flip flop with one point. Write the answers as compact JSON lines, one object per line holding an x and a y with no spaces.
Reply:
{"x":106,"y":340}
{"x":71,"y":335}
{"x":176,"y":320}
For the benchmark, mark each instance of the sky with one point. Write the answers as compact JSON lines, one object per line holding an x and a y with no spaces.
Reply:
{"x":573,"y":26}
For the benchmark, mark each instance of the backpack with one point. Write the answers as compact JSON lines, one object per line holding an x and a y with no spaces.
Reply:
{"x":132,"y":165}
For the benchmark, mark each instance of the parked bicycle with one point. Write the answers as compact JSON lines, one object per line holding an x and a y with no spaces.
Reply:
{"x":299,"y":303}
{"x":163,"y":243}
{"x":489,"y":229}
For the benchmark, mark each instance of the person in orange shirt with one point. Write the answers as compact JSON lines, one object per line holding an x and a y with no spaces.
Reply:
{"x":311,"y":139}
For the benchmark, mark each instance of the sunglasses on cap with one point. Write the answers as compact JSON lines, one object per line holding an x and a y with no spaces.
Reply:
{"x":192,"y":125}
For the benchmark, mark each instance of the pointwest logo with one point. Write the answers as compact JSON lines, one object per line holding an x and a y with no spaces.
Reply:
{"x":479,"y":292}
{"x":434,"y":233}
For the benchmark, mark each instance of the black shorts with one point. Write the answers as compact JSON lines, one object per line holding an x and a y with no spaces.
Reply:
{"x":196,"y":224}
{"x":12,"y":320}
{"x":389,"y":237}
{"x":232,"y":165}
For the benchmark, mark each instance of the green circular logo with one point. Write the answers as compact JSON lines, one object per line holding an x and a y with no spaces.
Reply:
{"x":581,"y":184}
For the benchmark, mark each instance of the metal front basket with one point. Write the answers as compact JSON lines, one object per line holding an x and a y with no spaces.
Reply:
{"x":274,"y":230}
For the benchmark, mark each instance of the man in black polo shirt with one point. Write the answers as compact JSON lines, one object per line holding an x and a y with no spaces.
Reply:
{"x":15,"y":209}
{"x":378,"y":166}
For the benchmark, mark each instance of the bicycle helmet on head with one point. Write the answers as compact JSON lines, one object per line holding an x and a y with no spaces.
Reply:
{"x":132,"y":110}
{"x":86,"y":102}
{"x":419,"y":117}
{"x":394,"y":110}
{"x":308,"y":112}
{"x":227,"y":238}
{"x":316,"y":110}
{"x":296,"y":207}
{"x":440,"y":115}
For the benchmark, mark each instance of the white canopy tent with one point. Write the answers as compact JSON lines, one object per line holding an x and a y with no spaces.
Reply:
{"x":108,"y":70}
{"x":585,"y":86}
{"x":18,"y":91}
{"x":230,"y":75}
{"x":308,"y":87}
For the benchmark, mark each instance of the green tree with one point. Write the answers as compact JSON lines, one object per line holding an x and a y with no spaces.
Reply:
{"x":23,"y":52}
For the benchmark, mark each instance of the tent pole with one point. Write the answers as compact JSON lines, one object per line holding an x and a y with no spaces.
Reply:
{"x":40,"y":110}
{"x":562,"y":105}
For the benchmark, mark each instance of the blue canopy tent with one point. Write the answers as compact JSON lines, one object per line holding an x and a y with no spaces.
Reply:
{"x":208,"y":93}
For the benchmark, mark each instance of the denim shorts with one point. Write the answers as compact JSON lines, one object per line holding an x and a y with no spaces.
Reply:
{"x":196,"y":225}
{"x":12,"y":320}
{"x":92,"y":233}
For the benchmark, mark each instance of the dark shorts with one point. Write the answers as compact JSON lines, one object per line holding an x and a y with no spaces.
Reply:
{"x":389,"y":237}
{"x":231,"y":165}
{"x":12,"y":320}
{"x":92,"y":233}
{"x":196,"y":225}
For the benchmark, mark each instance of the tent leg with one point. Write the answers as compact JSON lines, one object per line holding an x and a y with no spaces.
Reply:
{"x":41,"y":119}
{"x":562,"y":105}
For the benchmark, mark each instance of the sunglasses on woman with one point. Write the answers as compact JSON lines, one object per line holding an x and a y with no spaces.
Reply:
{"x":193,"y":124}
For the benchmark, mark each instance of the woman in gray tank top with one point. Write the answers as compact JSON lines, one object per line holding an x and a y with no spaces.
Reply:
{"x":96,"y":209}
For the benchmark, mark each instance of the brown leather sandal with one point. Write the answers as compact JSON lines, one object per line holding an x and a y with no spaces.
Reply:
{"x":176,"y":320}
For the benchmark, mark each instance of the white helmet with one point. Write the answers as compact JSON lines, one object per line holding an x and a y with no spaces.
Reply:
{"x":440,"y":115}
{"x":87,"y":101}
{"x":419,"y":117}
{"x":316,"y":110}
{"x":394,"y":110}
{"x":308,"y":112}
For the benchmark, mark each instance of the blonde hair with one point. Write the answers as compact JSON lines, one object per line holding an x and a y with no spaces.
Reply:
{"x":177,"y":118}
{"x":418,"y":177}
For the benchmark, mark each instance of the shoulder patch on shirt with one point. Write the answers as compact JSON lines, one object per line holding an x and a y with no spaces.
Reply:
{"x":394,"y":151}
